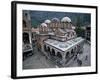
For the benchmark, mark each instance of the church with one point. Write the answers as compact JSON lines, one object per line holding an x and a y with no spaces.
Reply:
{"x":58,"y":40}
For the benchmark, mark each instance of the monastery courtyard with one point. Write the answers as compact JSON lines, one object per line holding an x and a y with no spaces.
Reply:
{"x":39,"y":61}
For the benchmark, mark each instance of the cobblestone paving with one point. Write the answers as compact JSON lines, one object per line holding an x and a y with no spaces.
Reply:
{"x":82,"y":57}
{"x":38,"y":60}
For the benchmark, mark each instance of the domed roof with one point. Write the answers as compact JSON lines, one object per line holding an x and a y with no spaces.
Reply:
{"x":47,"y":21}
{"x":55,"y":20}
{"x":65,"y":19}
{"x":44,"y":25}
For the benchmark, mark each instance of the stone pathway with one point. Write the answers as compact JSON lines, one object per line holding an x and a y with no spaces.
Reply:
{"x":38,"y":60}
{"x":82,"y":57}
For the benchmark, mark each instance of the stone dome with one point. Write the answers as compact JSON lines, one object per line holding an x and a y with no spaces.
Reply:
{"x":47,"y":21}
{"x":44,"y":25}
{"x":55,"y":20}
{"x":66,"y":19}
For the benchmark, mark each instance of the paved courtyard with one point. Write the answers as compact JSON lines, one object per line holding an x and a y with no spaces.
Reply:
{"x":86,"y":61}
{"x":38,"y":60}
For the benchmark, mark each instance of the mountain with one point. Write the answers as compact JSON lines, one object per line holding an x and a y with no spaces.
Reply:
{"x":38,"y":17}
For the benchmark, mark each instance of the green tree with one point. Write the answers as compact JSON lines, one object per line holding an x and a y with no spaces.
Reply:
{"x":78,"y":22}
{"x":79,"y":30}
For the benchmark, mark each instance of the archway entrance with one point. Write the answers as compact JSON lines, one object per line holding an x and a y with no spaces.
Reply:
{"x":26,"y":38}
{"x":72,"y":52}
{"x":53,"y":52}
{"x":59,"y":55}
{"x":45,"y":48}
{"x":48,"y":48}
{"x":67,"y":55}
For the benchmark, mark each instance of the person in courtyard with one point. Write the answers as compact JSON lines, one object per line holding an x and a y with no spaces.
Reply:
{"x":79,"y":62}
{"x":86,"y":57}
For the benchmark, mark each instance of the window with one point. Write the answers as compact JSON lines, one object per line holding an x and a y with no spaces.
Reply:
{"x":53,"y":52}
{"x":24,"y":23}
{"x":26,"y":38}
{"x":59,"y":55}
{"x":67,"y":55}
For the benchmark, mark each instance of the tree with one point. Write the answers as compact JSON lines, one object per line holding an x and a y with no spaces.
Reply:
{"x":78,"y":22}
{"x":79,"y":30}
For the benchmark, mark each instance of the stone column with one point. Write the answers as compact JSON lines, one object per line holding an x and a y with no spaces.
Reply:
{"x":55,"y":53}
{"x":70,"y":53}
{"x":50,"y":50}
{"x":75,"y":50}
{"x":63,"y":58}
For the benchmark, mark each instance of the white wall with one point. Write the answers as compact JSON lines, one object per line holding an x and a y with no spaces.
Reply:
{"x":5,"y":40}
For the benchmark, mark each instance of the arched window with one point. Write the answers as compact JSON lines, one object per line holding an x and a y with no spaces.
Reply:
{"x":67,"y":55}
{"x":26,"y":38}
{"x":48,"y":48}
{"x":53,"y":52}
{"x":45,"y":48}
{"x":59,"y":55}
{"x":72,"y":51}
{"x":24,"y":23}
{"x":26,"y":15}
